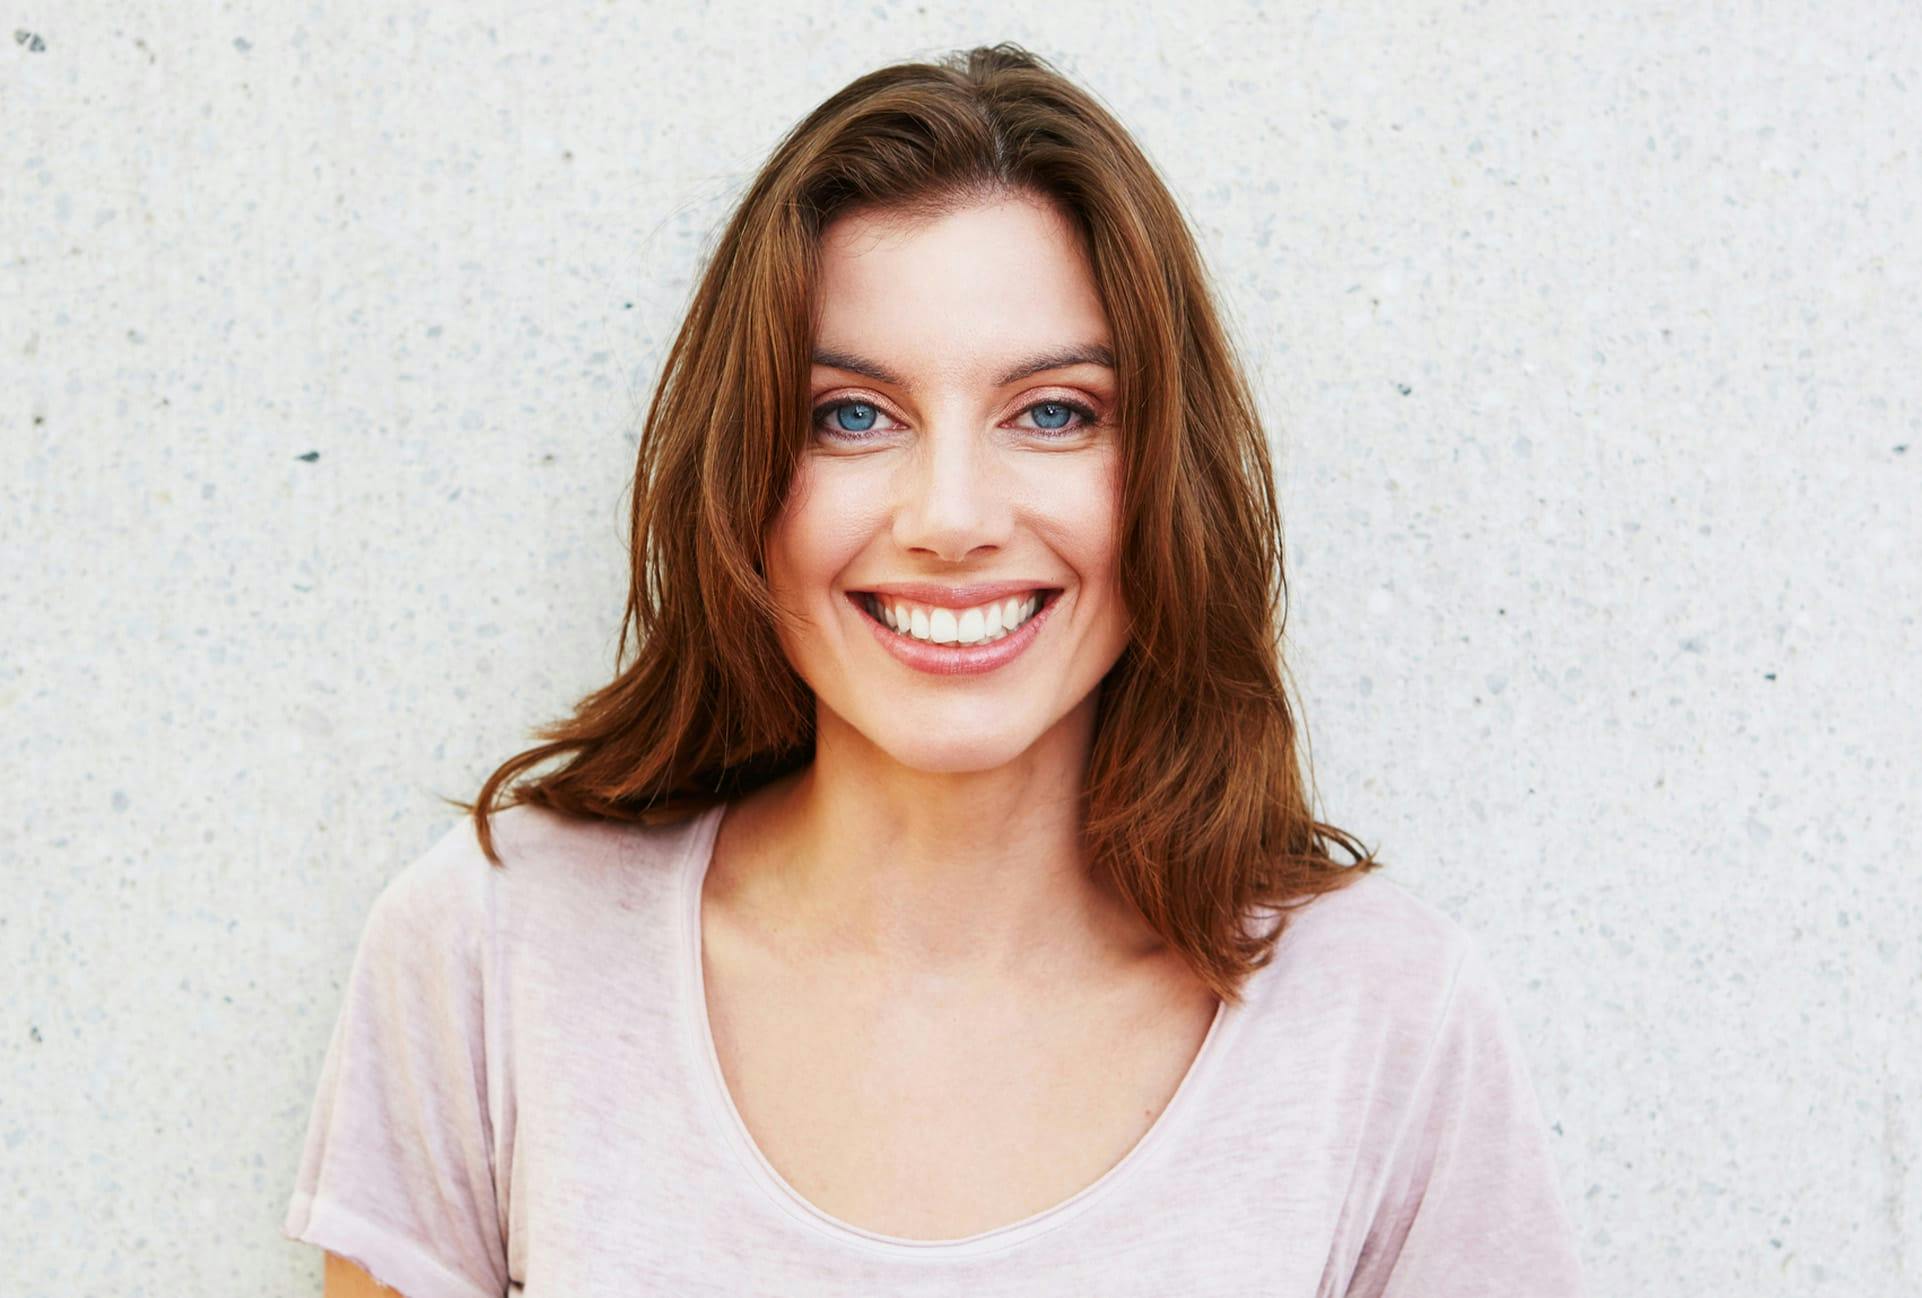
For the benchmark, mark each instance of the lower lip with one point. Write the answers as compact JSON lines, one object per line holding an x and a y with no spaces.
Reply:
{"x":955,"y":660}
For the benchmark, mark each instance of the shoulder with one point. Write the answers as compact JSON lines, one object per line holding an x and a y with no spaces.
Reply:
{"x":1373,"y":955}
{"x":536,"y":847}
{"x":1369,"y":987}
{"x":553,"y":870}
{"x":1378,"y":924}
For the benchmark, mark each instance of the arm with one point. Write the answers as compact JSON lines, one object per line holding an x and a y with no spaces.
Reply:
{"x":397,"y":1173}
{"x":343,"y":1279}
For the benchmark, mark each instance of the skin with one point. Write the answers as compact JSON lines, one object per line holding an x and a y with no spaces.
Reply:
{"x":931,"y":1017}
{"x":935,"y":834}
{"x":345,"y":1279}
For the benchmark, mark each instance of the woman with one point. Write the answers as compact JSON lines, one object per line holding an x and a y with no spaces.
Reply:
{"x":932,"y":905}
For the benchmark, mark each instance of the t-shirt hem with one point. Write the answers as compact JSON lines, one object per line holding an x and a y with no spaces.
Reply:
{"x":389,"y":1257}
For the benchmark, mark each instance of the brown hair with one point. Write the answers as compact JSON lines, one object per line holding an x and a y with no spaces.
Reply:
{"x":1194,"y":805}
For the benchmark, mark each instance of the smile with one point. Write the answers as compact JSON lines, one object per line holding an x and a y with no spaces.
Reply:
{"x":947,"y":641}
{"x":983,"y":624}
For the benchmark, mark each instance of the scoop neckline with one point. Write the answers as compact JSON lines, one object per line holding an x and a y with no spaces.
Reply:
{"x":720,"y":1110}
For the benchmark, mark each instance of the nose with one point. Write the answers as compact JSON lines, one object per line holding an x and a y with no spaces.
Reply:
{"x":951,"y":498}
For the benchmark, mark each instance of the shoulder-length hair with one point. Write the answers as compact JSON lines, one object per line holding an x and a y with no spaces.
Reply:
{"x":1194,"y":805}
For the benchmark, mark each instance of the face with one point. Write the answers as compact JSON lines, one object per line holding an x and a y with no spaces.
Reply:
{"x":961,"y":391}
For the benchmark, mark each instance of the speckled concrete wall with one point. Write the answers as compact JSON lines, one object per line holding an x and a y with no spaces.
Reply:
{"x":1589,"y":337}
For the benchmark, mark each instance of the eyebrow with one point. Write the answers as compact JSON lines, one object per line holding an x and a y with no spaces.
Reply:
{"x":1079,"y":354}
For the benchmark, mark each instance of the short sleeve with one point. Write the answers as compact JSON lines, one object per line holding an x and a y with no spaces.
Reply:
{"x":1472,"y":1206}
{"x":397,"y":1170}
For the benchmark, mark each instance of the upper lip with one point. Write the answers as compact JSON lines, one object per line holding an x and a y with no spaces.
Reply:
{"x":921,"y":592}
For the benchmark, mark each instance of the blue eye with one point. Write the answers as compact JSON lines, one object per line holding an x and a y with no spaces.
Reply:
{"x":1062,"y":417}
{"x":849,"y":419}
{"x":854,"y":416}
{"x":1054,"y":409}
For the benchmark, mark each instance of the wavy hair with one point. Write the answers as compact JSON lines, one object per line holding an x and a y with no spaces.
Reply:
{"x":1194,"y":805}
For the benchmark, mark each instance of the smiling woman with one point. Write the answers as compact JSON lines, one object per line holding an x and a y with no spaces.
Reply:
{"x":984,"y":450}
{"x":932,"y":901}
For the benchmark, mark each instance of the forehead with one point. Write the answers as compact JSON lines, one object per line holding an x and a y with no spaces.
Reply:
{"x":958,"y":292}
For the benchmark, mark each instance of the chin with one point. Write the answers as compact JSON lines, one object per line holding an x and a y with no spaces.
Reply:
{"x":937,"y":749}
{"x":952,"y":757}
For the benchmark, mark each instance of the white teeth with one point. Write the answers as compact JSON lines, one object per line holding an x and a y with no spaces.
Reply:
{"x":939,"y":625}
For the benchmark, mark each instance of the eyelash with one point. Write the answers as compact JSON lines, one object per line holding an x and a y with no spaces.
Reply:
{"x":1089,"y":419}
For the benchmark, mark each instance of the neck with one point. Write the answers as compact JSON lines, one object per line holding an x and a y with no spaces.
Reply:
{"x":957,"y":875}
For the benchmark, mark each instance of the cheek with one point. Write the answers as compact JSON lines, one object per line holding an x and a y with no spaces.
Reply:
{"x":823,"y":526}
{"x":1077,"y":505}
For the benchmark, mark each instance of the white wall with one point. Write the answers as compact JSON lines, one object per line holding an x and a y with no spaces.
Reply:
{"x":1590,"y":339}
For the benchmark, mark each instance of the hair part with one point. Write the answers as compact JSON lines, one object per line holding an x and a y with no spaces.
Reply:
{"x":1194,"y":805}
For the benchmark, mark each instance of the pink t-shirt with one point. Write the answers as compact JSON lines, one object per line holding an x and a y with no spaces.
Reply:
{"x":521,"y":1096}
